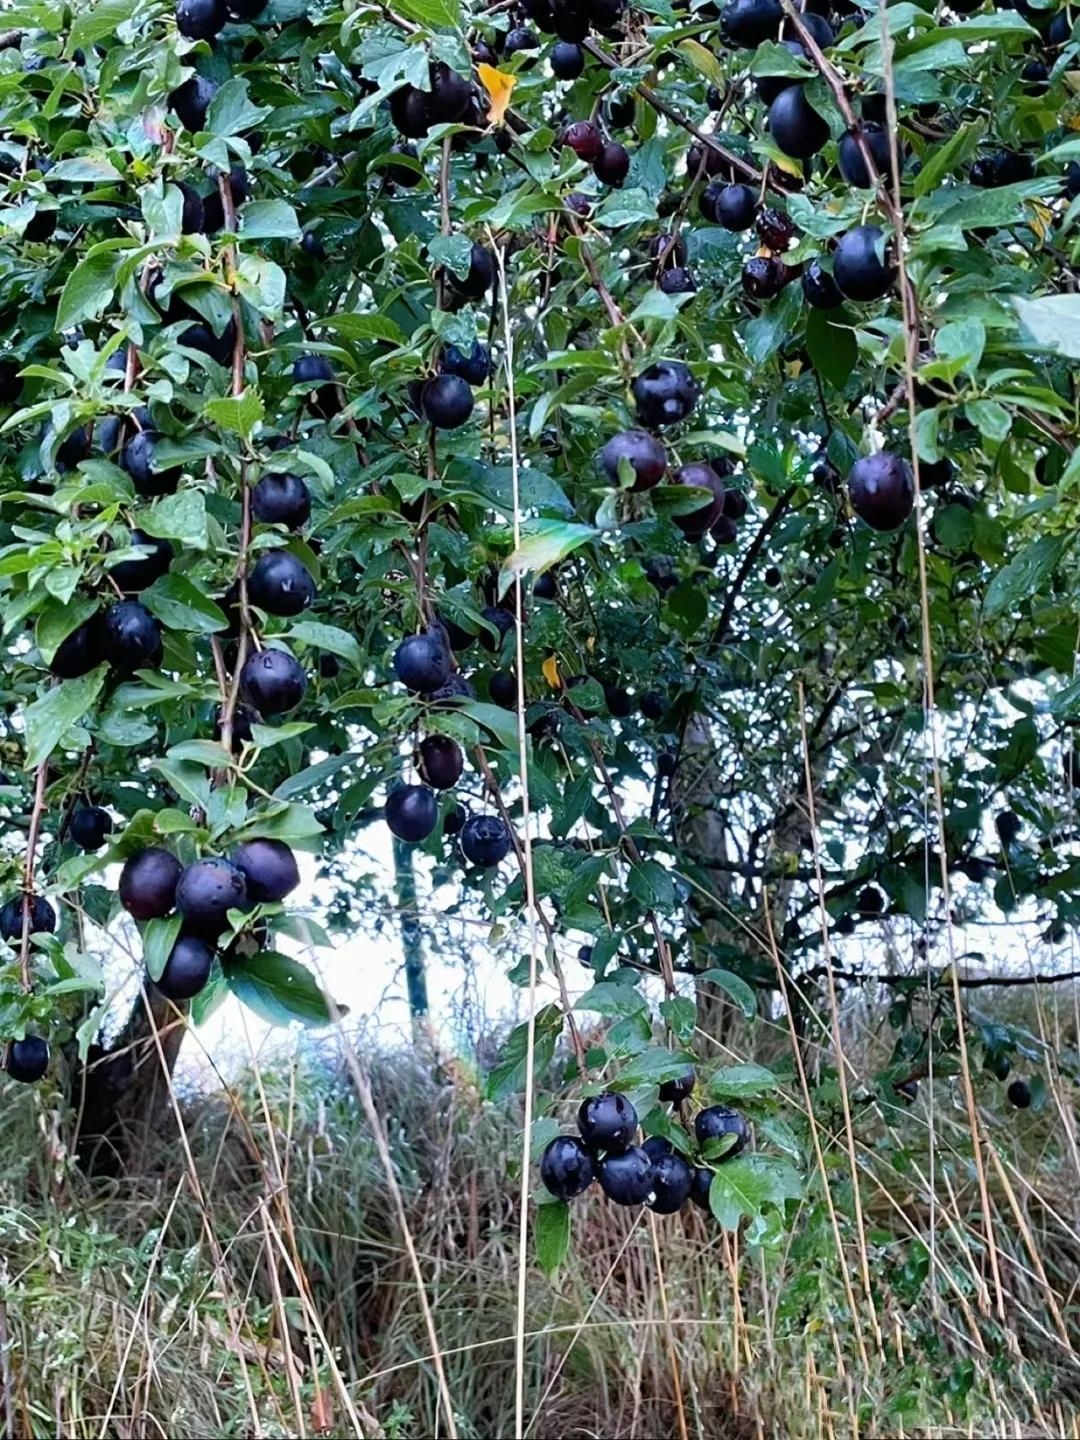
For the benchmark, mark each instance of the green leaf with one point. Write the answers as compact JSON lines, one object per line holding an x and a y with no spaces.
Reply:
{"x":1053,"y":321}
{"x":741,"y":1082}
{"x":687,"y":607}
{"x":963,"y":342}
{"x":746,"y":1185}
{"x":609,"y":998}
{"x":88,"y":289}
{"x":548,"y":543}
{"x":313,"y":775}
{"x":949,"y":157}
{"x":704,"y":61}
{"x":993,"y":209}
{"x":159,"y":937}
{"x":278,"y":989}
{"x":625,"y":207}
{"x":832,"y":346}
{"x":241,"y":414}
{"x":1065,"y":703}
{"x":652,"y":1067}
{"x":329,"y":638}
{"x":97,"y":21}
{"x":49,"y":719}
{"x":652,"y":886}
{"x":58,"y":619}
{"x":742,"y":994}
{"x":180,"y":517}
{"x":268,"y":220}
{"x":231,"y":112}
{"x":210,"y":996}
{"x":453,"y":253}
{"x":508,"y":1076}
{"x":261,"y":283}
{"x":84,"y":168}
{"x":680,"y":1012}
{"x":266,"y":736}
{"x":181,"y":605}
{"x":207,"y":753}
{"x":366,"y":327}
{"x":284,"y":822}
{"x":433,"y":14}
{"x":551,"y":1235}
{"x":501,"y":723}
{"x":1024,"y":575}
{"x":772,"y":58}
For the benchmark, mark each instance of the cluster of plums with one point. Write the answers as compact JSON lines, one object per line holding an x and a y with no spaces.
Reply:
{"x":609,"y":159}
{"x":424,"y":664}
{"x":154,"y":884}
{"x":88,"y":827}
{"x":653,"y":1173}
{"x":881,"y":487}
{"x":999,"y":1065}
{"x":664,"y":394}
{"x":127,"y":636}
{"x":570,"y":20}
{"x":996,"y":1063}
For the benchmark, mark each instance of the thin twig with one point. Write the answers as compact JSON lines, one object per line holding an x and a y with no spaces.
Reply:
{"x":247,"y":628}
{"x":736,"y":162}
{"x":36,"y":815}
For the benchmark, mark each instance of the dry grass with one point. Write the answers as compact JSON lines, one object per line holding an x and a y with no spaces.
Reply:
{"x":283,"y":1301}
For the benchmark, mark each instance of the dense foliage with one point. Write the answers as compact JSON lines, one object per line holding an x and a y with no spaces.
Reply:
{"x":366,"y":386}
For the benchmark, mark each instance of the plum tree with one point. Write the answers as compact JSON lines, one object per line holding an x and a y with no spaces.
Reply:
{"x":720,"y":386}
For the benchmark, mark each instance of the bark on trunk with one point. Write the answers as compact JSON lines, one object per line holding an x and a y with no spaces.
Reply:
{"x":121,"y":1095}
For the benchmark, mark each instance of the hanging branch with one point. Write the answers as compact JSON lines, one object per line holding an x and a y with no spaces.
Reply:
{"x":247,"y":628}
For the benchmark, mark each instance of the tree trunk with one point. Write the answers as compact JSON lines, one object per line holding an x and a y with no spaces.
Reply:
{"x":120,"y":1096}
{"x":412,"y":942}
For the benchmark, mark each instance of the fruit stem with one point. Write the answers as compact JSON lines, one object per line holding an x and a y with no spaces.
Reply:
{"x":444,"y":190}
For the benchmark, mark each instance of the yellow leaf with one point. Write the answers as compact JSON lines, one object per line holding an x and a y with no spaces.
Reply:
{"x":1042,"y":220}
{"x":703,"y":60}
{"x":550,"y":670}
{"x":499,"y":87}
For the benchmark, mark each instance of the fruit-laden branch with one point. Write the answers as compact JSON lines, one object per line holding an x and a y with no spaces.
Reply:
{"x":735,"y":162}
{"x":238,"y":360}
